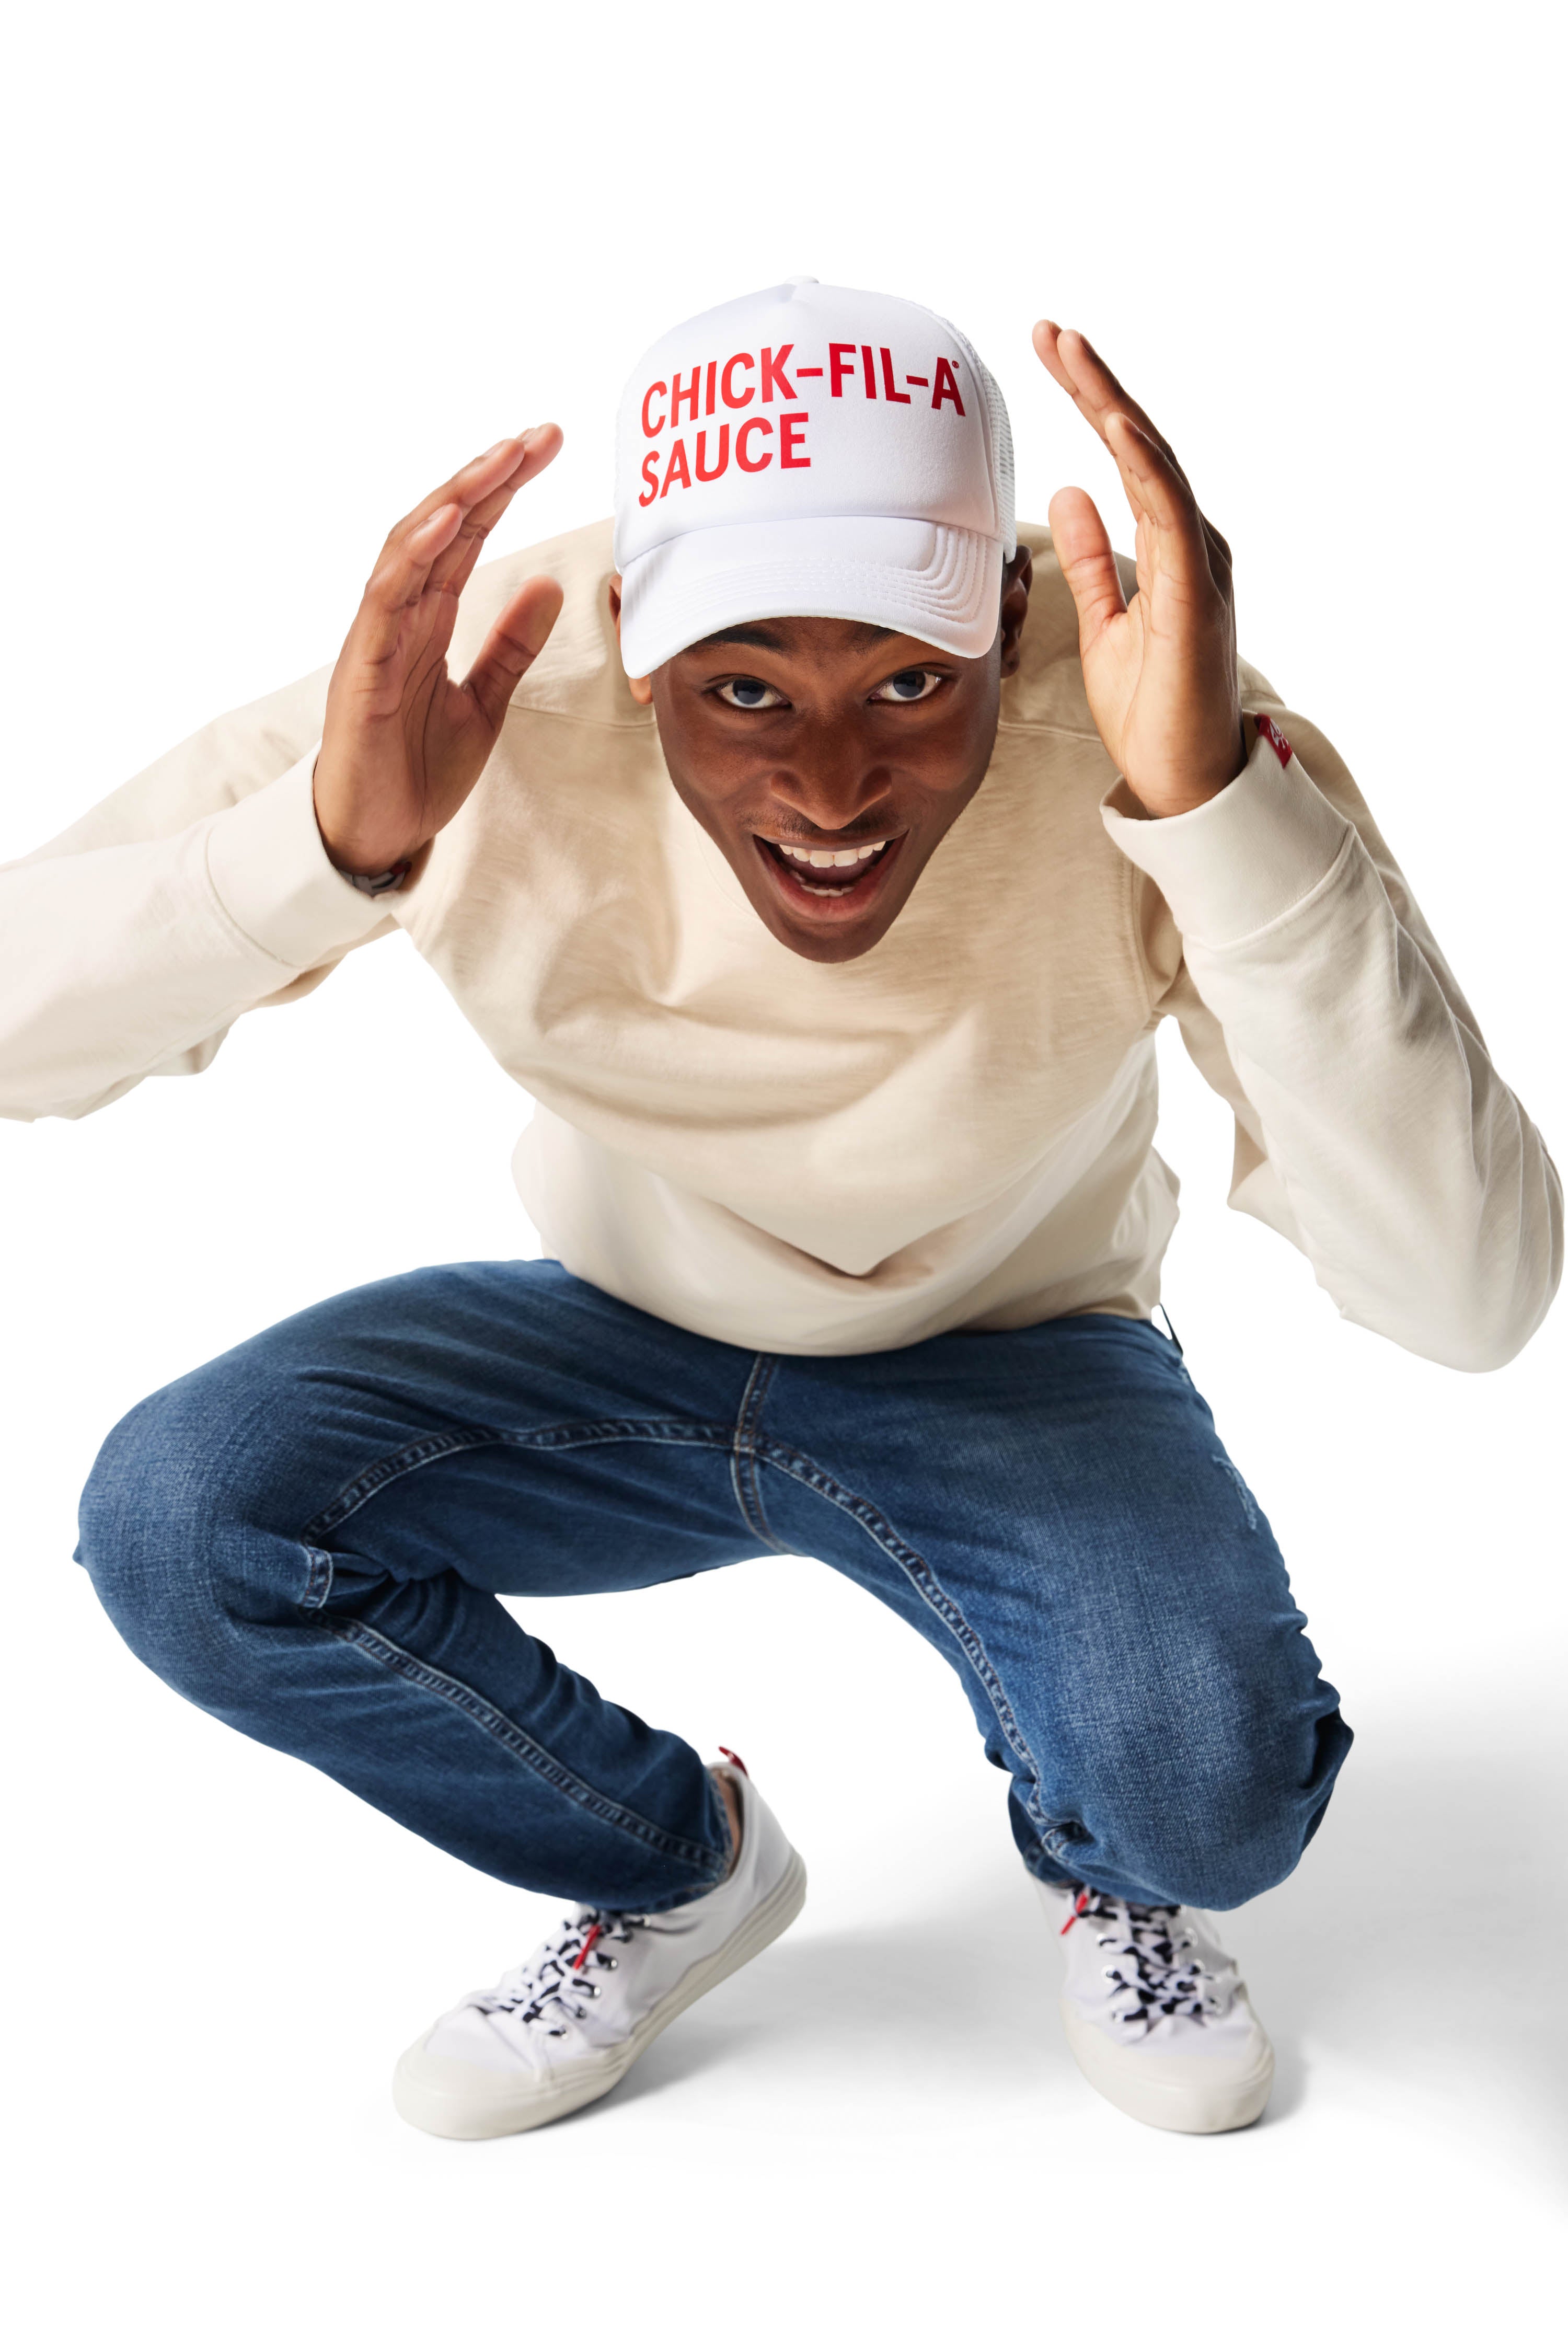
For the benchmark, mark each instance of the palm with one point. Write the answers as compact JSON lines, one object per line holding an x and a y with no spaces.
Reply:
{"x":437,"y":736}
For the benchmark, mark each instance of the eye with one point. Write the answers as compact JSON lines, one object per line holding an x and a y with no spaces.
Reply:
{"x":749,"y":693}
{"x":910,"y":685}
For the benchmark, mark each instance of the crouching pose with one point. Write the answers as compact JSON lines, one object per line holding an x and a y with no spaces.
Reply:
{"x":821,"y":856}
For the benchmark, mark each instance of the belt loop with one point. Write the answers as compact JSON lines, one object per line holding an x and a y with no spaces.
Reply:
{"x":1170,"y":1326}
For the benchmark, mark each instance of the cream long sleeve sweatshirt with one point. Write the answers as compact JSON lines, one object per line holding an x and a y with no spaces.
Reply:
{"x":955,"y":1131}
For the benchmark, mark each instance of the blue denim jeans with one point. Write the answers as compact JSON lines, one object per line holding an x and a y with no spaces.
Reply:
{"x":308,"y":1536}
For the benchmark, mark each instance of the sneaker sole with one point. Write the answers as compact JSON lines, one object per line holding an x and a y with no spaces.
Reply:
{"x":1225,"y":2105}
{"x":452,"y":2100}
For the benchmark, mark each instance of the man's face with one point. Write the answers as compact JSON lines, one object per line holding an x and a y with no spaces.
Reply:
{"x":827,"y":759}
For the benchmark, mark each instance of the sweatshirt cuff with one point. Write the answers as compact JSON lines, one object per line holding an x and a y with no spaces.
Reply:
{"x":1244,"y":859}
{"x":274,"y":879}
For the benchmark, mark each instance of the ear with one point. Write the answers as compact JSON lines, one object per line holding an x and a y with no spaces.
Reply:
{"x":641,"y":687}
{"x":1016,"y":582}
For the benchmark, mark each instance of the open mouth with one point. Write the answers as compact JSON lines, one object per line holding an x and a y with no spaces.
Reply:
{"x":834,"y":879}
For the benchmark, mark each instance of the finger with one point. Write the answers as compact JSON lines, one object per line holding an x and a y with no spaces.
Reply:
{"x":440,"y":551}
{"x":534,"y":449}
{"x":399,"y":580}
{"x":1082,"y":548}
{"x":1158,"y":493}
{"x":1095,"y":390}
{"x":513,"y":646}
{"x":1072,"y":360}
{"x":467,"y":486}
{"x":1045,"y":335}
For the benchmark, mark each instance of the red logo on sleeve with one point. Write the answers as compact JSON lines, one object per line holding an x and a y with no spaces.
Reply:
{"x":1272,"y":736}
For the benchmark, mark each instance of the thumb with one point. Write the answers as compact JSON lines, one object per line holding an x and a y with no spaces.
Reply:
{"x":513,"y":646}
{"x":1082,"y":548}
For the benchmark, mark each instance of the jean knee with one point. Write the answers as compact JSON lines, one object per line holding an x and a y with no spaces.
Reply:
{"x":1221,"y":1815}
{"x":162,"y":1534}
{"x":1259,"y":1806}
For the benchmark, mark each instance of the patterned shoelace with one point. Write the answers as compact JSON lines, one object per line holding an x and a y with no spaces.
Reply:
{"x":1162,"y":1975}
{"x":555,"y":1983}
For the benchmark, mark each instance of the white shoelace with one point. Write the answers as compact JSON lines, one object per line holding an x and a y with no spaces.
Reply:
{"x":556,"y":1981}
{"x":1163,"y":1975}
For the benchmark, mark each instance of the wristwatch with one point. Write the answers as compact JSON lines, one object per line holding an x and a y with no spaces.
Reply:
{"x":375,"y":885}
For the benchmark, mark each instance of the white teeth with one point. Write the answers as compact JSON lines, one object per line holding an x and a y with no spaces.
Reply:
{"x":830,"y":856}
{"x":819,"y":858}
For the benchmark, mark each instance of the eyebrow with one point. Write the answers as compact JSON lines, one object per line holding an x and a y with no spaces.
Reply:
{"x":868,"y":631}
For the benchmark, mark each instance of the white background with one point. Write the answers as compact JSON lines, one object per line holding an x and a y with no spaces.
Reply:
{"x":272,"y":275}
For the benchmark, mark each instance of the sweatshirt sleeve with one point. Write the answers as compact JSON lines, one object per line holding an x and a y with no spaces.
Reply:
{"x":1371,"y":1129}
{"x":200,"y":889}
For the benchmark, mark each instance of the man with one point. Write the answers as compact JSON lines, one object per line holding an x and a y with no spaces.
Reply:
{"x":830,"y":926}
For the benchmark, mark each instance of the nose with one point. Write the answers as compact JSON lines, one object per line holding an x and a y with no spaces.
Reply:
{"x":831,"y":781}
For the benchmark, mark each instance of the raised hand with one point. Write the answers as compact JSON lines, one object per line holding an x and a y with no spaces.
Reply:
{"x":404,"y":742}
{"x":1160,"y":670}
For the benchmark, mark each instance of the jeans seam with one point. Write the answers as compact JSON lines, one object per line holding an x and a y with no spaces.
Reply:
{"x":509,"y":1734}
{"x":561,"y":1437}
{"x":929,"y":1586}
{"x":743,"y":1453}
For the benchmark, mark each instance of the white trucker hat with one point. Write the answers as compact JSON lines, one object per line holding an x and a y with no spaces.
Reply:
{"x":815,"y":451}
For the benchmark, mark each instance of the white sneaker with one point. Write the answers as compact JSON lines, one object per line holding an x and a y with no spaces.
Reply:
{"x":1155,"y":2013}
{"x":561,"y":2029}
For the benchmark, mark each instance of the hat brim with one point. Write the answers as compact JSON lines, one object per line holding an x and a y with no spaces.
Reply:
{"x":926,"y":580}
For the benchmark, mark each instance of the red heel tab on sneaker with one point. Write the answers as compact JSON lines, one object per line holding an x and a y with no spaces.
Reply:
{"x":731,"y":1757}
